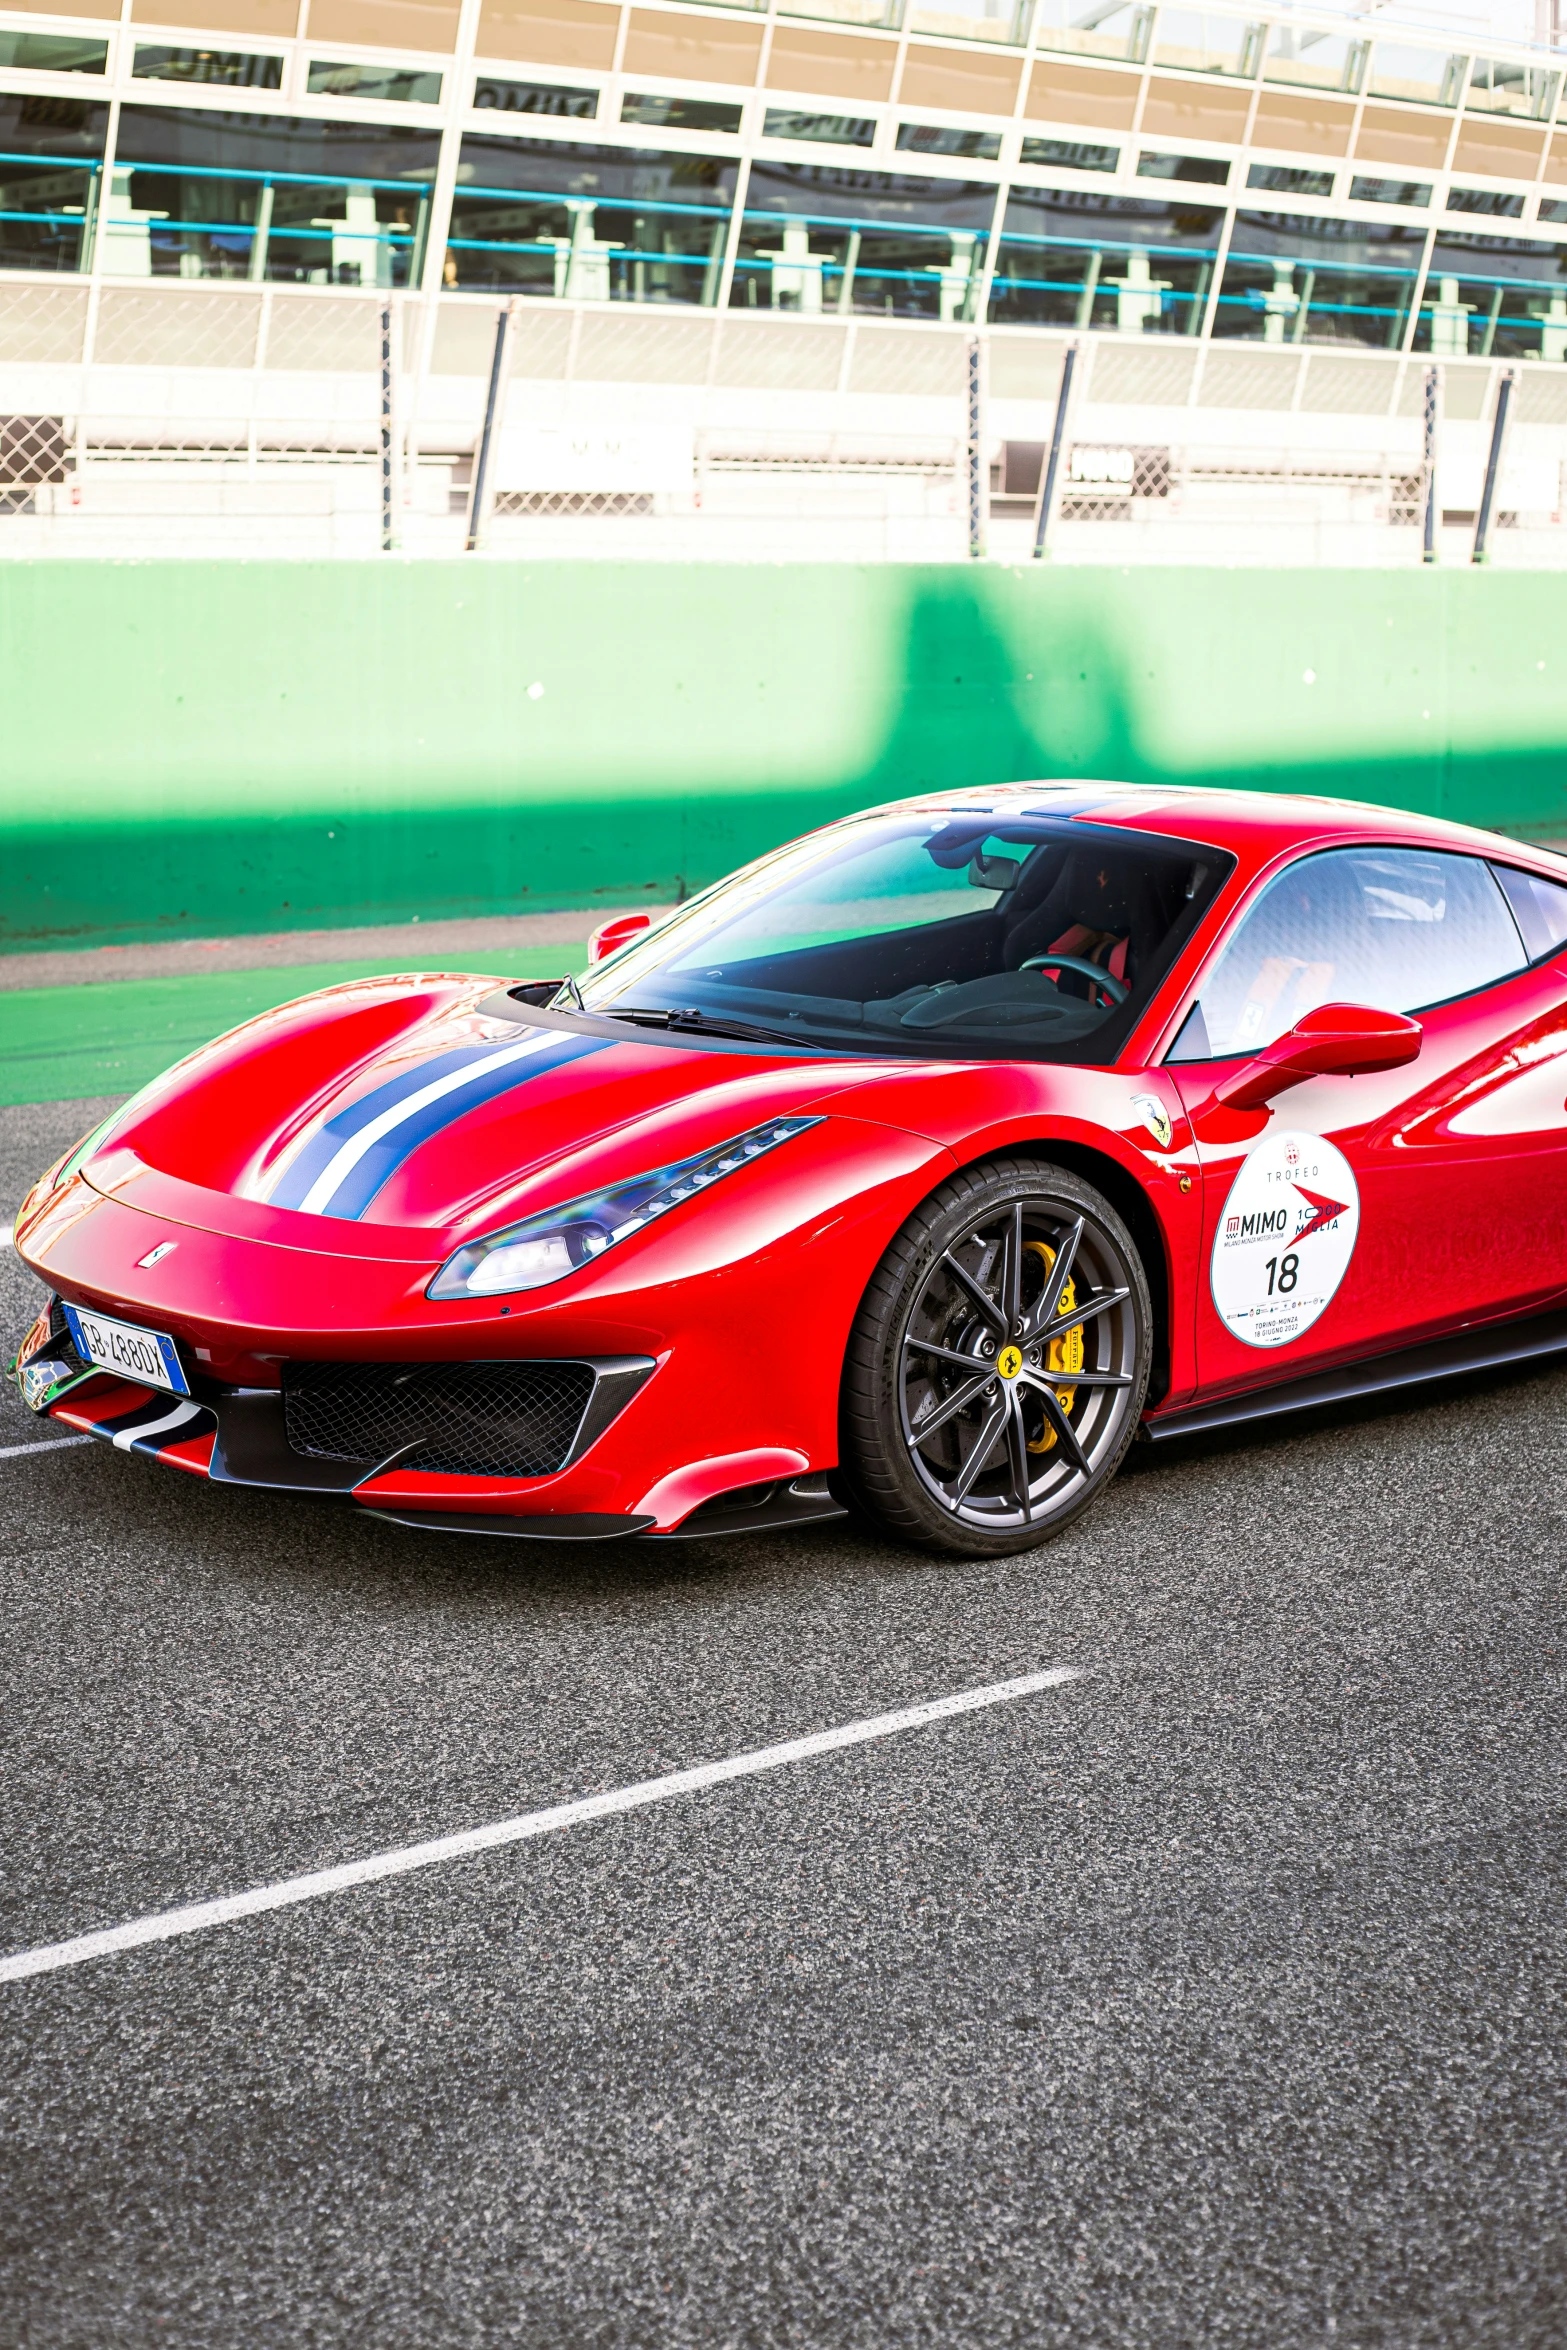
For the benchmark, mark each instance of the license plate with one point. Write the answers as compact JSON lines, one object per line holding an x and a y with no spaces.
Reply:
{"x":120,"y":1346}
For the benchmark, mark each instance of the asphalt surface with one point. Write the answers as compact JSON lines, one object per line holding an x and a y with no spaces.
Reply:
{"x":1216,"y":1998}
{"x":470,"y":943}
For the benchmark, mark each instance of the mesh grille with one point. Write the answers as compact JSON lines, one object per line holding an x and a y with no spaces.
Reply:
{"x":466,"y":1419}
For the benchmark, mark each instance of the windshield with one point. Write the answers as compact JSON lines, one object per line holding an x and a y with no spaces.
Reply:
{"x":948,"y":937}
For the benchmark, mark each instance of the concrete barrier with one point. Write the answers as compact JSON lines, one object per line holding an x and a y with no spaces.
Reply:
{"x":206,"y":748}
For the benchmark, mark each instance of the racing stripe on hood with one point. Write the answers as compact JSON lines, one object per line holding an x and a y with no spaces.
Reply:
{"x":347,"y":1159}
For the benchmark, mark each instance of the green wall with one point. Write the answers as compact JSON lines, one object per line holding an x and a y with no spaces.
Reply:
{"x":220,"y":747}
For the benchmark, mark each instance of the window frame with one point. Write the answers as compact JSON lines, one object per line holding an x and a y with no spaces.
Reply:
{"x":1191,"y":993}
{"x":1501,"y":865}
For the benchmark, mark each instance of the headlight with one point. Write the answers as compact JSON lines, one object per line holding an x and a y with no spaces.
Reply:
{"x":547,"y":1247}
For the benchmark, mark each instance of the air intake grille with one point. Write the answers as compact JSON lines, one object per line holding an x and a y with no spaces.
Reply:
{"x":464,"y":1419}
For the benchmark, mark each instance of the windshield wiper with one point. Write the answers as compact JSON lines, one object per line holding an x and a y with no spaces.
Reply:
{"x":703,"y":1023}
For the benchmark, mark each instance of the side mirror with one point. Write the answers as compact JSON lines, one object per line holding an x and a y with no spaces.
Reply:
{"x":612,"y":935}
{"x":1336,"y":1040}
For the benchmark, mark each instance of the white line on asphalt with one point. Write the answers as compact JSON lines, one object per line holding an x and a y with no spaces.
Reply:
{"x":14,"y":1452}
{"x":7,"y":1235}
{"x":198,"y":1915}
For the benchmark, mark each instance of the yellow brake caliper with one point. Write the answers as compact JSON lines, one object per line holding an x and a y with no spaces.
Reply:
{"x":1065,"y":1353}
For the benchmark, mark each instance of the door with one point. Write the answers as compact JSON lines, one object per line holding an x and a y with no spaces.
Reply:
{"x":1360,"y":1214}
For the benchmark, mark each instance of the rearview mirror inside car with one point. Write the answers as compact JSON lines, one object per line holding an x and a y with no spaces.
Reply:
{"x":1336,"y":1040}
{"x":994,"y":872}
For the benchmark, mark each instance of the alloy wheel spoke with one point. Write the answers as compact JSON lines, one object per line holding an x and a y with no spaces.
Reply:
{"x":1011,"y":1283}
{"x":954,"y":1404}
{"x":1033,"y":1376}
{"x":1087,"y":1309}
{"x":980,"y":1298}
{"x":1017,"y":1446}
{"x":1056,"y":1279}
{"x":984,"y":1446}
{"x":1066,"y":1434}
{"x":946,"y":1354}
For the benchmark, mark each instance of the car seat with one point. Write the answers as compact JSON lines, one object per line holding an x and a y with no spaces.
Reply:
{"x":1097,"y":905}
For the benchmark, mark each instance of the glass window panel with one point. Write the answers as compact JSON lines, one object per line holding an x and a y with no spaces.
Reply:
{"x":883,"y":13}
{"x":831,"y":237}
{"x":592,"y":224}
{"x":276,"y":143}
{"x":265,"y":196}
{"x":51,"y":151}
{"x":1141,"y":265}
{"x":1499,"y":86}
{"x":53,"y":53}
{"x":385,"y":84}
{"x":1206,"y":44}
{"x":1094,"y":28}
{"x":680,"y":114}
{"x":1378,"y":191}
{"x":840,"y":130}
{"x":974,"y":20}
{"x":1317,"y":60}
{"x":1293,"y":279}
{"x":929,"y":138}
{"x":925,"y":935}
{"x":1494,"y":297}
{"x":1553,"y":208}
{"x":507,"y":97}
{"x":1489,"y":200}
{"x":1288,"y":180}
{"x":1071,"y":154}
{"x":1539,"y":909}
{"x":353,"y":236}
{"x":1397,"y":929}
{"x":178,"y":224}
{"x":233,"y":69}
{"x":63,"y":129}
{"x":1207,"y":168}
{"x":1431,"y":76}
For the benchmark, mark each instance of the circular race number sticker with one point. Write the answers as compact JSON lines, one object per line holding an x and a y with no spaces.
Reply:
{"x":1285,"y":1238}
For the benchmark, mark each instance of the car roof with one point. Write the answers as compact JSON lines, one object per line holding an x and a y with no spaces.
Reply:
{"x":1256,"y":827}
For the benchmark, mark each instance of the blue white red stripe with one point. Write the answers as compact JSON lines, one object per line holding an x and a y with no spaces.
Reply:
{"x":345,"y":1160}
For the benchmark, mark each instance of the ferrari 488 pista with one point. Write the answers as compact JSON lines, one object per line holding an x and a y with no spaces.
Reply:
{"x":913,"y":1171}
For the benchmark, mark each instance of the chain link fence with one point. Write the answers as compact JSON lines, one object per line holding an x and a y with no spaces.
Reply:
{"x":250,"y":420}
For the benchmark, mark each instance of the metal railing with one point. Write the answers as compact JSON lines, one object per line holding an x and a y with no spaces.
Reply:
{"x":269,"y":419}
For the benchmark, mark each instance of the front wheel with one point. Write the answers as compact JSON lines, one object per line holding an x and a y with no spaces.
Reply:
{"x":997,"y":1368}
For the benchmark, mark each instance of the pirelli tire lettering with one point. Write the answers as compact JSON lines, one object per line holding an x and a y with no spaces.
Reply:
{"x":1285,"y":1239}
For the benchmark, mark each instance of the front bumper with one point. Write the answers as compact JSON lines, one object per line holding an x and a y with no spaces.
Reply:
{"x":241,"y":1438}
{"x":715,"y":1342}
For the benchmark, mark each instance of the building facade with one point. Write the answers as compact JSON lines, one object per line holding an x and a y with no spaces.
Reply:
{"x":754,"y":242}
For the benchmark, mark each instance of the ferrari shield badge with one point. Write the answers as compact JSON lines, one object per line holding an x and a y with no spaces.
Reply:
{"x":1285,"y":1238}
{"x":1154,"y":1116}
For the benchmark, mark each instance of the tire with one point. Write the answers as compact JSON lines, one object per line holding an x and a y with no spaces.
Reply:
{"x":964,"y":1429}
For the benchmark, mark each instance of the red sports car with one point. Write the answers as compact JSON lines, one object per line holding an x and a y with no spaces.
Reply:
{"x":913,"y":1170}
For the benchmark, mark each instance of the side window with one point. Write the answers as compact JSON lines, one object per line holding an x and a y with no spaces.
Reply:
{"x":1539,"y":909}
{"x":1393,"y":928}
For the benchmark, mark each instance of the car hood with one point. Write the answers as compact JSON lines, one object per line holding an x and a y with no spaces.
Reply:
{"x":412,"y":1109}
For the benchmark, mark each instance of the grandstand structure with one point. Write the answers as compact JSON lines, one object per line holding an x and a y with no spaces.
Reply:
{"x":253,"y":254}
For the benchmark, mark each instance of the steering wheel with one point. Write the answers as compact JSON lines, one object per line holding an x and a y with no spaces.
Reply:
{"x":1116,"y":989}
